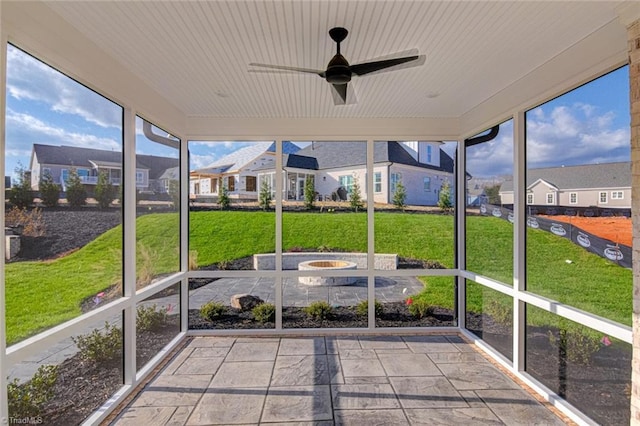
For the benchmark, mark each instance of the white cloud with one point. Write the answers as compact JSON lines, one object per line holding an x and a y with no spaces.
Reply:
{"x":23,"y":127}
{"x":200,"y":161}
{"x":30,"y":79}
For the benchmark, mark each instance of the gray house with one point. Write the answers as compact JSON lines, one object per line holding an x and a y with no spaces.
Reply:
{"x":151,"y":171}
{"x":606,"y":185}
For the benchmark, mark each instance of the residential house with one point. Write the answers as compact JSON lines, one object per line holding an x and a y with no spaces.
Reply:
{"x":237,"y":171}
{"x":606,"y":185}
{"x":421,"y":166}
{"x":151,"y":171}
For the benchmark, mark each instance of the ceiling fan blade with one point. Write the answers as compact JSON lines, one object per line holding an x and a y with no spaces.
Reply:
{"x":370,"y":67}
{"x":343,"y":94}
{"x":287,"y":68}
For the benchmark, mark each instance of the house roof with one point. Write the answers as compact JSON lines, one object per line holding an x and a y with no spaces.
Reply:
{"x":88,"y":157}
{"x":331,"y":155}
{"x":242,"y":157}
{"x":605,"y":175}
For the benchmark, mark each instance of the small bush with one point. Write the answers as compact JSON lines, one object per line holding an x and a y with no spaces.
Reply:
{"x":146,"y":260}
{"x":76,"y":192}
{"x":500,"y":313}
{"x":28,"y":399}
{"x":31,"y":221}
{"x":264,"y":312}
{"x":49,"y":191}
{"x":149,"y":318}
{"x":575,"y":345}
{"x":362,"y":308}
{"x":20,"y":194}
{"x":419,"y":308}
{"x":223,"y":196}
{"x":105,"y":192}
{"x":309,"y":193}
{"x":265,"y":197}
{"x":324,"y":249}
{"x":400,"y":196}
{"x":318,"y":310}
{"x":212,"y":310}
{"x":101,"y":346}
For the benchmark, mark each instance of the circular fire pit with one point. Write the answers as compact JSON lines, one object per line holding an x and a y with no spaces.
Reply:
{"x":326,"y":265}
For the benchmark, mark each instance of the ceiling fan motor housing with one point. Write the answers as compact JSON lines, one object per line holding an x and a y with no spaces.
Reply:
{"x":338,"y":71}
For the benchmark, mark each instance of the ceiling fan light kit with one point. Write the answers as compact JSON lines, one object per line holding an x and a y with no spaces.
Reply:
{"x":339,"y":72}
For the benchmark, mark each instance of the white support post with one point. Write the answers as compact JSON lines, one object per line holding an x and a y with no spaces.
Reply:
{"x":278,"y":230}
{"x":129,"y":246}
{"x":184,"y":233}
{"x":371,"y":247}
{"x":4,"y":406}
{"x":461,"y":209}
{"x":519,"y":239}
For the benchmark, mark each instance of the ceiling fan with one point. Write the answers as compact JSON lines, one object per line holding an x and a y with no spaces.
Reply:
{"x":339,"y":72}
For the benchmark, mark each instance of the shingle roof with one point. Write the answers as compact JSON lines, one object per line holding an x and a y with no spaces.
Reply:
{"x":606,"y":175}
{"x":82,"y":157}
{"x":347,"y":154}
{"x":240,"y":158}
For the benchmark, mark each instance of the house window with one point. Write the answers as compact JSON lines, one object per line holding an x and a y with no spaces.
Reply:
{"x":603,"y":198}
{"x":617,"y":195}
{"x":346,"y":182}
{"x":395,"y":178}
{"x":428,"y":154}
{"x":46,"y":171}
{"x":231,"y":184}
{"x":377,"y":182}
{"x":65,"y":175}
{"x":251,"y":183}
{"x":529,"y":198}
{"x":573,"y":198}
{"x":427,"y":184}
{"x":551,"y":199}
{"x":139,"y":177}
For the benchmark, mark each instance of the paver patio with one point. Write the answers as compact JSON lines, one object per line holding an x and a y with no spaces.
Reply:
{"x":381,"y":380}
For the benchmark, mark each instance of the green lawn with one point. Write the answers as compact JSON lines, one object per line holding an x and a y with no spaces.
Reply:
{"x":42,"y":294}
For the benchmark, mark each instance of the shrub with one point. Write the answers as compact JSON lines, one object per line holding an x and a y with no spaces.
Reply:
{"x":400,"y":196}
{"x":264,"y":312}
{"x":100,"y":346}
{"x":501,"y":313}
{"x":309,"y":193}
{"x":20,"y":194}
{"x":419,"y":308}
{"x":31,"y":221}
{"x":265,"y":195}
{"x":76,"y":193}
{"x":174,"y":193}
{"x":362,"y":308}
{"x":223,"y":196}
{"x":105,"y":192}
{"x":212,"y":310}
{"x":575,"y":345}
{"x":355,"y":198}
{"x":149,"y":318}
{"x":444,"y":202}
{"x":146,"y":260}
{"x":28,"y":399}
{"x":318,"y":310}
{"x":49,"y":191}
{"x":193,"y":260}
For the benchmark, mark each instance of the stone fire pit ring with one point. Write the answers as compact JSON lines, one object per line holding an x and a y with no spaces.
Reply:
{"x":327,"y":265}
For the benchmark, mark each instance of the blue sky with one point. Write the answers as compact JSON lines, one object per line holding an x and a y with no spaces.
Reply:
{"x":588,"y":125}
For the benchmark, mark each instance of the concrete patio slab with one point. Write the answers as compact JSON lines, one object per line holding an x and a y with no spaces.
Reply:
{"x":322,"y":381}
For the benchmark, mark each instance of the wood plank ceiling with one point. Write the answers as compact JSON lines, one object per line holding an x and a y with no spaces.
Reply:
{"x":196,"y":54}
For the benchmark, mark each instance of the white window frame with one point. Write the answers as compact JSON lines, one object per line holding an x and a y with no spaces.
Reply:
{"x":602,"y":195}
{"x":553,"y":198}
{"x":617,"y":195}
{"x":426,"y":183}
{"x":530,"y":198}
{"x":377,"y":182}
{"x":429,"y":154}
{"x":573,"y":198}
{"x":394,"y":179}
{"x":139,"y":176}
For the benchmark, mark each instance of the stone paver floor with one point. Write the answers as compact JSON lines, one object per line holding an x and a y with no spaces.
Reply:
{"x":381,"y":380}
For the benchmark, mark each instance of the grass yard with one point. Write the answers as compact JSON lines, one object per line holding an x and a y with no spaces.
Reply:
{"x":42,"y":294}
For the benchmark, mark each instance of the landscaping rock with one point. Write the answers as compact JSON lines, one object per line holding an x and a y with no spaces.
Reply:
{"x":245,"y":302}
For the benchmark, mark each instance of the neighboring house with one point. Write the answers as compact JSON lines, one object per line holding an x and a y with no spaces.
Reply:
{"x":237,"y":171}
{"x":606,"y":185}
{"x":151,"y":171}
{"x":422,"y":167}
{"x":476,"y":196}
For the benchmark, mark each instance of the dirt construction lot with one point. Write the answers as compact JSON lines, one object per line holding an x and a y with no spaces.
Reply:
{"x":616,"y":229}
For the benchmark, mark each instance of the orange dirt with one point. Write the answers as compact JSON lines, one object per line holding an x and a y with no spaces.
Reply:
{"x":616,"y":229}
